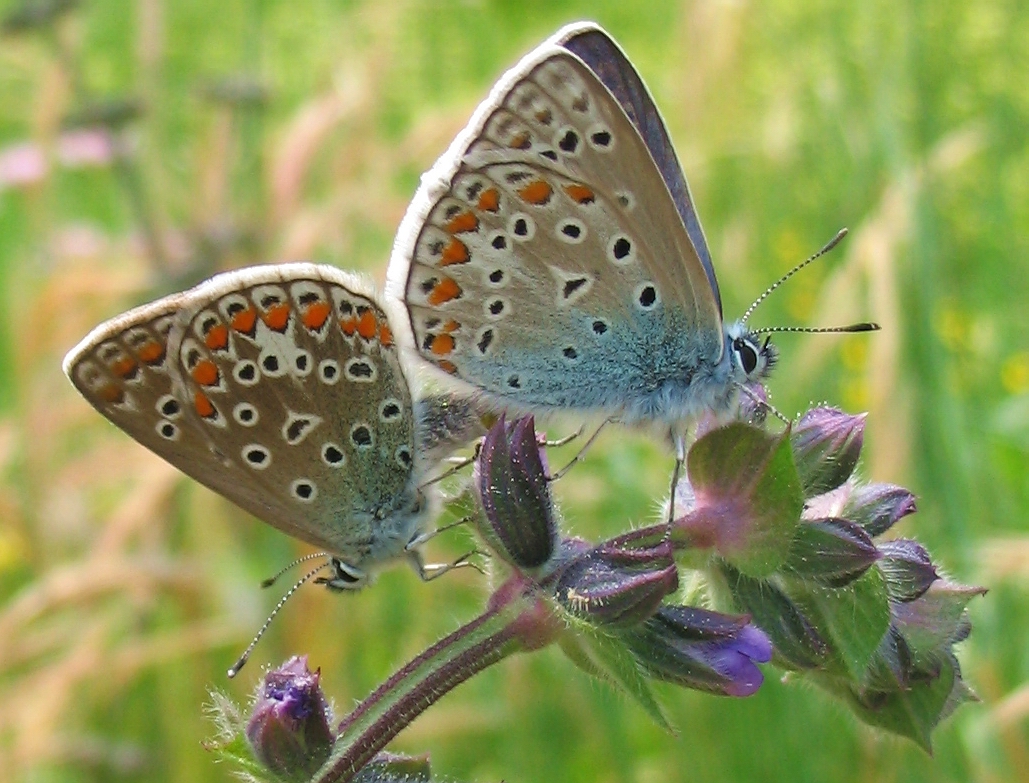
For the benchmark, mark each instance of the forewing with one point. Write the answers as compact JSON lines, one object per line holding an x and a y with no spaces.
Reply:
{"x":607,"y":60}
{"x":543,"y":259}
{"x":124,"y":370}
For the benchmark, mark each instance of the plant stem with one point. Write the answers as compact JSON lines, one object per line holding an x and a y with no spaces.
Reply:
{"x":486,"y":640}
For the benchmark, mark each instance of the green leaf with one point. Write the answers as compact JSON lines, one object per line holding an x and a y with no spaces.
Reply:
{"x":602,"y":655}
{"x":796,"y":643}
{"x":748,"y":495}
{"x":853,"y":618}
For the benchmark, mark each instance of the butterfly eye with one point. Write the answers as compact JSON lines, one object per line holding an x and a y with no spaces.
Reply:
{"x":748,"y":356}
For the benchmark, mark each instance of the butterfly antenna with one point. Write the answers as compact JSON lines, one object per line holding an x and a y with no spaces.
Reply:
{"x":239,"y":664}
{"x":273,"y":579}
{"x":862,"y":327}
{"x":829,"y":246}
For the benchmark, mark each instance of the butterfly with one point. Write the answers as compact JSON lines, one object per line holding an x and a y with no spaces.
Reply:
{"x":552,"y":258}
{"x":281,"y":388}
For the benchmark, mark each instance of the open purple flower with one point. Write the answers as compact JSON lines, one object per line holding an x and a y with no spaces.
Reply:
{"x":700,"y":649}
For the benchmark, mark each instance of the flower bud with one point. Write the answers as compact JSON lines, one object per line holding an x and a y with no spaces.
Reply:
{"x":907,"y":569}
{"x":289,"y":728}
{"x":704,"y":650}
{"x":834,"y":552}
{"x":826,"y":445}
{"x":515,"y":494}
{"x":613,"y":584}
{"x":877,"y":507}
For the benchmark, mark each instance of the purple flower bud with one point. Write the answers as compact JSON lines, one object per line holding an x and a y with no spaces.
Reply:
{"x":612,"y":584}
{"x":907,"y":569}
{"x":514,"y":491}
{"x":289,"y":726}
{"x":834,"y":552}
{"x":826,"y":445}
{"x":877,"y":507}
{"x":700,"y":649}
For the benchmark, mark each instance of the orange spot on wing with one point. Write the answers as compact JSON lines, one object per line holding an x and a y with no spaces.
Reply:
{"x":451,"y":326}
{"x":367,"y":326}
{"x":112,"y":393}
{"x":245,"y":320}
{"x":445,"y":290}
{"x":442,"y":344}
{"x":489,"y":200}
{"x":520,"y":141}
{"x":536,"y":192}
{"x":125,"y":367}
{"x":205,"y":373}
{"x":580,"y":194}
{"x":277,"y":317}
{"x":385,"y":335}
{"x":447,"y":366}
{"x":151,"y":353}
{"x":217,"y":337}
{"x":348,"y":325}
{"x":466,"y":221}
{"x":455,"y":253}
{"x":316,"y":314}
{"x":203,"y":406}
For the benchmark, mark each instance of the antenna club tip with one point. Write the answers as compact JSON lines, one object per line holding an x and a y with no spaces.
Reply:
{"x":237,"y":666}
{"x":268,"y":582}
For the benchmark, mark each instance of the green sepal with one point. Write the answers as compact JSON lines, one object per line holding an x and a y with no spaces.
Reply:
{"x":853,"y":619}
{"x":748,"y":491}
{"x":603,"y":655}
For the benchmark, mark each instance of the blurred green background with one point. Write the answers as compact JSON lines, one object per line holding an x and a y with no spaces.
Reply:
{"x":146,"y":145}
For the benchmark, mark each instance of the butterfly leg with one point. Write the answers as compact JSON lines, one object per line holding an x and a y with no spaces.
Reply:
{"x":582,"y":452}
{"x":457,"y":465}
{"x":421,"y":538}
{"x":427,"y":572}
{"x":565,"y":440}
{"x":680,"y":458}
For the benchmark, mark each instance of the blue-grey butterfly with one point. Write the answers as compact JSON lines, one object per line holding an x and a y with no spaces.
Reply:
{"x":281,"y":388}
{"x":553,"y":259}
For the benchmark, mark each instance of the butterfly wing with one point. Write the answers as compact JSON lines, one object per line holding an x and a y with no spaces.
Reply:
{"x":607,"y":60}
{"x":544,"y":261}
{"x":290,"y":401}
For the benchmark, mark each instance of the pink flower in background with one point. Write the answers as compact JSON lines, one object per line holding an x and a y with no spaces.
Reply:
{"x":21,"y":164}
{"x":85,"y":147}
{"x":25,"y":163}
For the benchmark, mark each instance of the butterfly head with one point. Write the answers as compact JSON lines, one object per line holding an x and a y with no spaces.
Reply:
{"x":752,"y":358}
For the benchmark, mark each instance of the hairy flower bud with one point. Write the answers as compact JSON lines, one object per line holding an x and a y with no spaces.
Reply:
{"x":877,"y":507}
{"x":610,"y":584}
{"x":514,"y":492}
{"x":832,"y":551}
{"x":826,"y":445}
{"x":289,"y":728}
{"x":907,"y":568}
